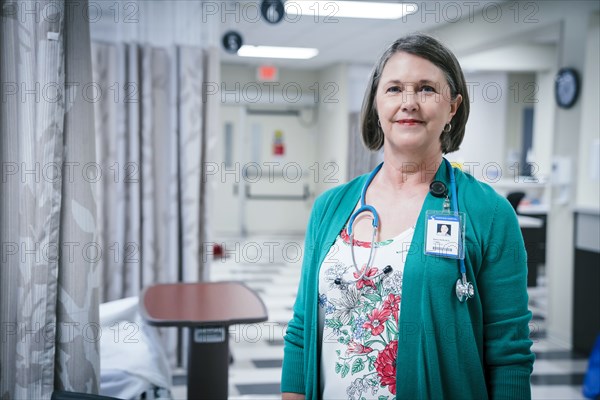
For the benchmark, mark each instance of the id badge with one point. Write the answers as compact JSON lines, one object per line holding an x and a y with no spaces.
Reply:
{"x":445,"y":234}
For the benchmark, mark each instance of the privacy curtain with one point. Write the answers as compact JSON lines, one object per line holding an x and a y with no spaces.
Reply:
{"x":48,"y":266}
{"x":150,"y":130}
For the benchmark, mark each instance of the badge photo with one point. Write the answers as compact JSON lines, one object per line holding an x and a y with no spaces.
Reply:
{"x":443,"y":234}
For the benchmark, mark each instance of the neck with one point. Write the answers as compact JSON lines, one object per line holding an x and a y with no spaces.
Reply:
{"x":399,"y":173}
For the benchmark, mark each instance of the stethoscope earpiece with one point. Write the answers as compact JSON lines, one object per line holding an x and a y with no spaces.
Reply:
{"x":386,"y":271}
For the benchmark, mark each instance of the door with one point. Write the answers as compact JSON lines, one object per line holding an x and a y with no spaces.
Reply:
{"x":268,"y":171}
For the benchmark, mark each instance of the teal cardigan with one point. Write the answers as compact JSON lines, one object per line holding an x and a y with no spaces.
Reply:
{"x":446,"y":349}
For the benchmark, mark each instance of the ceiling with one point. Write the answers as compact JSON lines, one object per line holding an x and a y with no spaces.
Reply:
{"x":339,"y":40}
{"x":349,"y":40}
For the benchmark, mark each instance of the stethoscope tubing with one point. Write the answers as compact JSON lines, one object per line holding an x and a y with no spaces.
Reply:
{"x":368,"y":208}
{"x":454,"y":207}
{"x":364,"y":207}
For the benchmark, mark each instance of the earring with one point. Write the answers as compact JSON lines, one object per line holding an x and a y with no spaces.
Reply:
{"x":447,"y":127}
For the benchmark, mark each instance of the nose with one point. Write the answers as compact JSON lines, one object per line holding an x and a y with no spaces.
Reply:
{"x":409,"y":101}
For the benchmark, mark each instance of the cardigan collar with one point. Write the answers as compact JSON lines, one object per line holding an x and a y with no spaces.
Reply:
{"x":350,"y":197}
{"x":431,"y":202}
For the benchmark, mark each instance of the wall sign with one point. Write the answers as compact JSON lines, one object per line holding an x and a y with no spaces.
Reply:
{"x":278,"y":144}
{"x":272,"y":11}
{"x":267,"y":73}
{"x":232,"y":41}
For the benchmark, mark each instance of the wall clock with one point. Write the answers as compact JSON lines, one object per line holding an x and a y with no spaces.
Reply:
{"x":566,"y":87}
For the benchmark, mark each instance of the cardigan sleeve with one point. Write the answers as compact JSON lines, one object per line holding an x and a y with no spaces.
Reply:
{"x":293,"y":374}
{"x":502,"y":284}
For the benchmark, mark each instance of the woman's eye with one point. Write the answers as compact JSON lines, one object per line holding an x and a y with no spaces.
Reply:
{"x":394,"y":89}
{"x":427,"y":88}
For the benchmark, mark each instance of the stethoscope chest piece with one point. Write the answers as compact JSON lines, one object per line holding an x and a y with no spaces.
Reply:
{"x":464,"y":290}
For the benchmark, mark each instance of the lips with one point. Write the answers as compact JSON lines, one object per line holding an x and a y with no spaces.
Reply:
{"x":409,"y":121}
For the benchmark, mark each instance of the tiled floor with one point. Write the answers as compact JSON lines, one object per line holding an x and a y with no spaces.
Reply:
{"x":258,"y":349}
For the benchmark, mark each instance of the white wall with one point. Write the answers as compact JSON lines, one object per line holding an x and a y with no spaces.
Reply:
{"x":543,"y":124}
{"x":358,"y":78}
{"x":332,"y":138}
{"x":484,"y":141}
{"x":516,"y":57}
{"x":294,"y":87}
{"x":588,"y":188}
{"x":520,"y":95}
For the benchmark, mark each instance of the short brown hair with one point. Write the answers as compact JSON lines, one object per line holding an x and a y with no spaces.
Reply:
{"x":431,"y":49}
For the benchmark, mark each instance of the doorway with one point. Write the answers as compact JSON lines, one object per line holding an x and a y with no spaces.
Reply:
{"x":264,"y":168}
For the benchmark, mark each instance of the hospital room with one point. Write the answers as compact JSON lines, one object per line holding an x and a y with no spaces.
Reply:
{"x":256,"y":199}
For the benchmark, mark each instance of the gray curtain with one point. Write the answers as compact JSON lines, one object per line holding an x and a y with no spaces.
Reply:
{"x":150,"y":133}
{"x":49,"y":266}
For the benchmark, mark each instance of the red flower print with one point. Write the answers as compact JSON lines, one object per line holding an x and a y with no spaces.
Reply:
{"x":392,"y":303}
{"x":376,"y":321}
{"x":368,"y":282}
{"x":357,"y":348}
{"x":386,"y":365}
{"x":359,"y":243}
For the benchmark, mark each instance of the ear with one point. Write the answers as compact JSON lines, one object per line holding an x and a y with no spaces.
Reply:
{"x":455,"y":104}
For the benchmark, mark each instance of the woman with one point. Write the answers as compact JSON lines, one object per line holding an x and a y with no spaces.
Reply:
{"x":381,"y":318}
{"x":443,"y":230}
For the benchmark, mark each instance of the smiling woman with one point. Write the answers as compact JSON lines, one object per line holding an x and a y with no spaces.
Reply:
{"x":411,"y":106}
{"x":449,"y":88}
{"x":375,"y":313}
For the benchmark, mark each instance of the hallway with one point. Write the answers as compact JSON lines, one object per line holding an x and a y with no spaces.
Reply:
{"x":258,"y":349}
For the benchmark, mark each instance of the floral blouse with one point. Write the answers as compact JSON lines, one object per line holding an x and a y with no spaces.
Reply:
{"x":358,"y":318}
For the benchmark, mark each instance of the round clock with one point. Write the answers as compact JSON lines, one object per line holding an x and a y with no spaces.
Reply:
{"x":566,"y":87}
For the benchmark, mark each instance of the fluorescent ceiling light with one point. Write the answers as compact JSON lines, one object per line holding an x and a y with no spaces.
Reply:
{"x":300,"y":53}
{"x":350,"y":9}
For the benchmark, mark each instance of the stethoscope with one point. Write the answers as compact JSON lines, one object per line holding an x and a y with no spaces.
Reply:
{"x":464,"y":289}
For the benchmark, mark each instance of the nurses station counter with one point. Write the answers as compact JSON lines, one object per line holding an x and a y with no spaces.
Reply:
{"x":532,"y":214}
{"x":532,"y":220}
{"x":586,"y":283}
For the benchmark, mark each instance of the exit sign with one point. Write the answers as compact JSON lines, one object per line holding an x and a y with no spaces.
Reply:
{"x":267,"y":73}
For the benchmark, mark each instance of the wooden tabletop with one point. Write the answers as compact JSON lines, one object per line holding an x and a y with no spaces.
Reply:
{"x":201,"y":304}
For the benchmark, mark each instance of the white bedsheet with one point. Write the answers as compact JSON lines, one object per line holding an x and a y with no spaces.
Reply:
{"x":132,"y":359}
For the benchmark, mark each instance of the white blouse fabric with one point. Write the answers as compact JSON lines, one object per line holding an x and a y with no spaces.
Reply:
{"x":358,"y":318}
